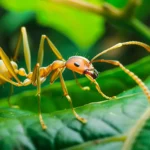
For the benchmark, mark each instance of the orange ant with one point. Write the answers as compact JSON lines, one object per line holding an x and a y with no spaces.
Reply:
{"x":78,"y":64}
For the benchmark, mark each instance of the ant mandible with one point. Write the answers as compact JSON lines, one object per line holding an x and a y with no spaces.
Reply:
{"x":78,"y":64}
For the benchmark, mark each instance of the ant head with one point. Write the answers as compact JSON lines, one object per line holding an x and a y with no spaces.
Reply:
{"x":81,"y":65}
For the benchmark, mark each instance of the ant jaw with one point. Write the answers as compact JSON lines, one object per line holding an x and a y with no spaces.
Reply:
{"x":93,"y":73}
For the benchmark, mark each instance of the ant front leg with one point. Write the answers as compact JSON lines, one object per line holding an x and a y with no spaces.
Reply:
{"x":69,"y":99}
{"x":86,"y":88}
{"x":98,"y":87}
{"x":131,"y":74}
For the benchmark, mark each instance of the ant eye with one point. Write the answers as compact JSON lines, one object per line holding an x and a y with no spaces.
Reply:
{"x":76,"y":64}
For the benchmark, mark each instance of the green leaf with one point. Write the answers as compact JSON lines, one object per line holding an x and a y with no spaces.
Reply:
{"x":142,"y":10}
{"x":108,"y":125}
{"x":117,"y":3}
{"x":81,"y":27}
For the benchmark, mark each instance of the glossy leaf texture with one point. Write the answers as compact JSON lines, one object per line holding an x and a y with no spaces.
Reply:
{"x":109,"y":124}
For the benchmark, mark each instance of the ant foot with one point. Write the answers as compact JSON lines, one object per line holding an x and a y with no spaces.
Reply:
{"x":44,"y":127}
{"x":83,"y":120}
{"x":86,"y":88}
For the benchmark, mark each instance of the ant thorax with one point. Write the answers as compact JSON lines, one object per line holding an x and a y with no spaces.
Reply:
{"x":81,"y":65}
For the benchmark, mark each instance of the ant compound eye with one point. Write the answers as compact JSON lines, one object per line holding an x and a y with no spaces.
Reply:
{"x":76,"y":64}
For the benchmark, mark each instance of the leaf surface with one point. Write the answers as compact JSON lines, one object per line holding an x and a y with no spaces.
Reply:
{"x":109,"y":121}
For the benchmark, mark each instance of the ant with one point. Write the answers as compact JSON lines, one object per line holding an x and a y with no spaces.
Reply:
{"x":77,"y":64}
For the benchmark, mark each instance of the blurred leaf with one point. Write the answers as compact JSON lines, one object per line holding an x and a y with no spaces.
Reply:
{"x":81,"y":27}
{"x":108,"y":126}
{"x":117,"y":3}
{"x":143,"y":10}
{"x":9,"y":25}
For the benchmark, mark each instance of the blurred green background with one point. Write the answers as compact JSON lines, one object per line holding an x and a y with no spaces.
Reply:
{"x":74,"y":30}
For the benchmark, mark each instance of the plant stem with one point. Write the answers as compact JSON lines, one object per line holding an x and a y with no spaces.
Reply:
{"x":82,"y":6}
{"x":115,"y":15}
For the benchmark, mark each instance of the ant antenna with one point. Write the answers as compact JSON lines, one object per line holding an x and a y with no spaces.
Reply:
{"x":147,"y":47}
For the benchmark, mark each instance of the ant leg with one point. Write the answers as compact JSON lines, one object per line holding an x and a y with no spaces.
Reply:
{"x":8,"y":65}
{"x":41,"y":49}
{"x":10,"y":81}
{"x":69,"y":99}
{"x":36,"y":80}
{"x":83,"y":88}
{"x":25,"y":83}
{"x":27,"y":55}
{"x":9,"y":103}
{"x":54,"y":49}
{"x":54,"y":76}
{"x":98,"y":87}
{"x":11,"y":71}
{"x":147,"y":47}
{"x":16,"y":51}
{"x":131,"y":74}
{"x":11,"y":91}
